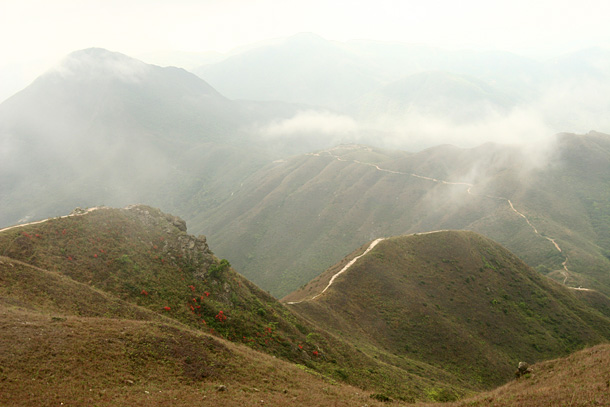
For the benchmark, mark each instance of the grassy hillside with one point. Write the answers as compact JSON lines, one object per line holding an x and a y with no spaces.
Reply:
{"x":456,"y":300}
{"x":140,"y":264}
{"x":111,"y":360}
{"x":145,"y":257}
{"x":293,"y":219}
{"x":126,"y":308}
{"x":578,"y":380}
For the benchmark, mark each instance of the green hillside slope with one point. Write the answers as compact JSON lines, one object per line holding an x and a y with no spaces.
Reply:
{"x":456,"y":300}
{"x":293,"y":219}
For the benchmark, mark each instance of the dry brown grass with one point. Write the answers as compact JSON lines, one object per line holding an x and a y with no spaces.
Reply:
{"x":78,"y":361}
{"x":580,"y":380}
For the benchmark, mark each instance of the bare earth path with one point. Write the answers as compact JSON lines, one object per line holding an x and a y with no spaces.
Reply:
{"x":566,"y":271}
{"x":348,"y":265}
{"x":76,"y":212}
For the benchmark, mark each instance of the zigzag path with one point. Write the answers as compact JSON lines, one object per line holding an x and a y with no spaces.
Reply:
{"x":566,"y":271}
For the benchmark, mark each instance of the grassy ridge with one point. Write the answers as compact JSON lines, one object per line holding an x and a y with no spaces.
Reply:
{"x":293,"y":219}
{"x":140,"y":264}
{"x":145,"y":257}
{"x":456,"y":300}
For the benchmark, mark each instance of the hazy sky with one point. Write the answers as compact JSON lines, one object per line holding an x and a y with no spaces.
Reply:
{"x":35,"y":34}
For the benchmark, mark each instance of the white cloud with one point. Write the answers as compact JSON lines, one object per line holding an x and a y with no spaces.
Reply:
{"x":416,"y":131}
{"x":325,"y":124}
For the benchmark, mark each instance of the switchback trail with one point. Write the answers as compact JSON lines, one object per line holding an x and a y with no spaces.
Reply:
{"x":565,"y":271}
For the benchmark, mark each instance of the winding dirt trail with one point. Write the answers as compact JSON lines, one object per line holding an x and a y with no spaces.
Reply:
{"x":565,"y":271}
{"x":343,"y":270}
{"x":351,"y":263}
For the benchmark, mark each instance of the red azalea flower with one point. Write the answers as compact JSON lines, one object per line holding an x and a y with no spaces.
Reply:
{"x":144,"y":292}
{"x":315,"y":353}
{"x":166,"y":308}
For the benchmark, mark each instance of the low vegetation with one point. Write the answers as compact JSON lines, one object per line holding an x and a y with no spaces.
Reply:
{"x":455,"y":300}
{"x":126,"y":308}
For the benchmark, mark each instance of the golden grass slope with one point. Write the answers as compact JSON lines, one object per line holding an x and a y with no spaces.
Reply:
{"x":579,"y":380}
{"x":94,"y":349}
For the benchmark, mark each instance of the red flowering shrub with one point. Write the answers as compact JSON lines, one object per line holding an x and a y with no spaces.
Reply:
{"x":221,"y":317}
{"x":315,"y":353}
{"x":144,"y":292}
{"x":166,"y":308}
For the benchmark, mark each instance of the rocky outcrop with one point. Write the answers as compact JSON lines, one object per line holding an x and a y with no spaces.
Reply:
{"x":191,"y":250}
{"x":523,"y":369}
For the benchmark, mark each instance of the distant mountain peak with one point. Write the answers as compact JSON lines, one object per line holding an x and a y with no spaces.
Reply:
{"x":95,"y":62}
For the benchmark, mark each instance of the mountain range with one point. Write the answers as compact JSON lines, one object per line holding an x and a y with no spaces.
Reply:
{"x":294,"y":218}
{"x":288,"y":156}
